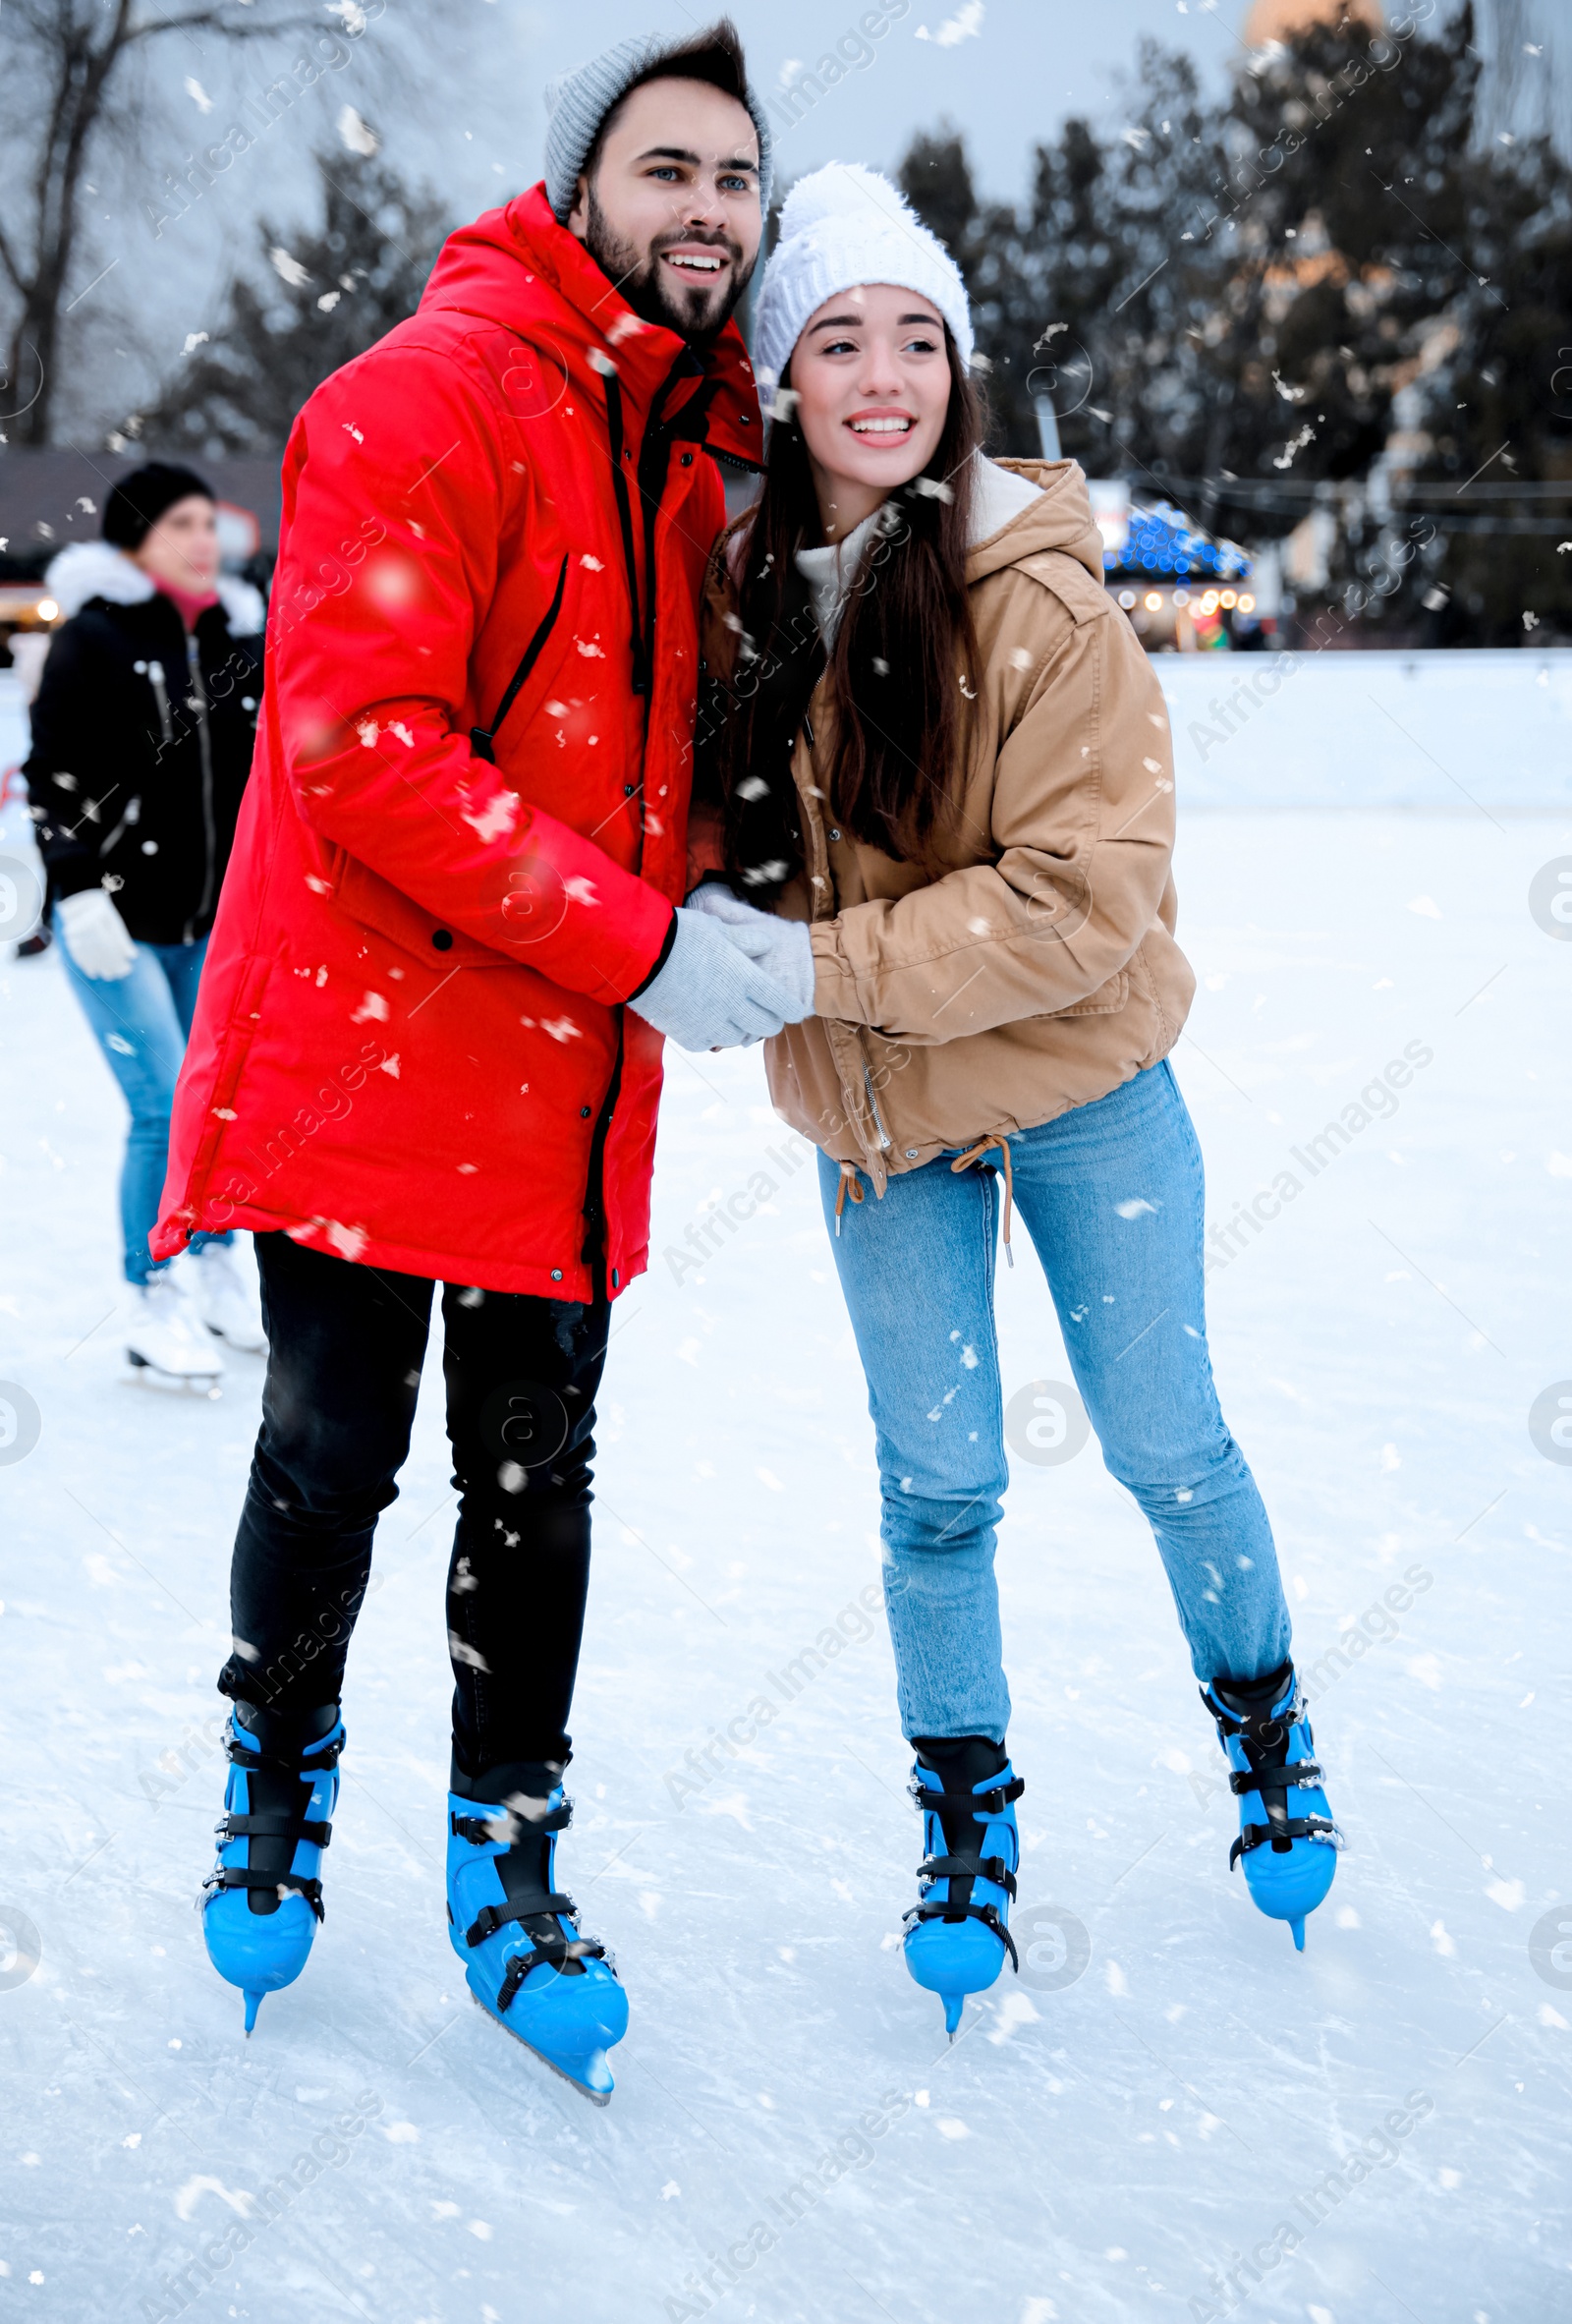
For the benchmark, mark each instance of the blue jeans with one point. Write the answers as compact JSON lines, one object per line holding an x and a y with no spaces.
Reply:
{"x":1113,"y":1197}
{"x":141,"y":1023}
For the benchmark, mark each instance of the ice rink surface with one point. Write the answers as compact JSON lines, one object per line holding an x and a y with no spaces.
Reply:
{"x":1168,"y":2115}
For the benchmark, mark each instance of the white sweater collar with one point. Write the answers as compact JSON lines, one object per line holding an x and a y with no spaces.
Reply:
{"x":998,"y":497}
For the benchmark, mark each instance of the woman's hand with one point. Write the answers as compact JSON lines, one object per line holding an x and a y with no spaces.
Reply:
{"x":782,"y":947}
{"x":96,"y":937}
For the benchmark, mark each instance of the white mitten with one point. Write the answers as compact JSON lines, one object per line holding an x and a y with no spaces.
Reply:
{"x":782,"y":946}
{"x":96,"y":937}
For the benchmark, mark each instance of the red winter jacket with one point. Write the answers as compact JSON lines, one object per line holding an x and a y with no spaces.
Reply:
{"x":465,"y":825}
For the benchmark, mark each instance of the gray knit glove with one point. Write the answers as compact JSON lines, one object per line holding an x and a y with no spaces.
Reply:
{"x":782,"y":946}
{"x":708,"y":995}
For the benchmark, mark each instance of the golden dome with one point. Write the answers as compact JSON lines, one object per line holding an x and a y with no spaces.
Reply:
{"x":1280,"y":20}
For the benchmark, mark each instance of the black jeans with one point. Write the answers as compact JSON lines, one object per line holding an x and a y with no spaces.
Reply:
{"x":346,"y":1345}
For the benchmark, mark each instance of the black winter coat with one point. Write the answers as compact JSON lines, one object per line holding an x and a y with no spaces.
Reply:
{"x":142,"y":744}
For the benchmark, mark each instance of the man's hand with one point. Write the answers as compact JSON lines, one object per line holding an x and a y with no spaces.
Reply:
{"x":708,"y":995}
{"x":782,"y":947}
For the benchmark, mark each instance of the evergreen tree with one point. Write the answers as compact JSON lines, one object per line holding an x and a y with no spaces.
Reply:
{"x":317,"y":301}
{"x":1329,"y":289}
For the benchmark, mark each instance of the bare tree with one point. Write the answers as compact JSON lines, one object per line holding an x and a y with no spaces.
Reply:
{"x":61,"y":63}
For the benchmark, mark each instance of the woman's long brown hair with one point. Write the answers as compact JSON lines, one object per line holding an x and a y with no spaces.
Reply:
{"x":902,"y":670}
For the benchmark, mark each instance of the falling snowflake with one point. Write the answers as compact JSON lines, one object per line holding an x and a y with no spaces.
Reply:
{"x":496,"y":819}
{"x":198,"y":95}
{"x":288,"y":267}
{"x":357,"y":133}
{"x":1294,"y":446}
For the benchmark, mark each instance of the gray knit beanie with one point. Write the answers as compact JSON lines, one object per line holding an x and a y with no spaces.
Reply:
{"x":579,"y":101}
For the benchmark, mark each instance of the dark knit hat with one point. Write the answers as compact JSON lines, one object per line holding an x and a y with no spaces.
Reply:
{"x":141,"y":499}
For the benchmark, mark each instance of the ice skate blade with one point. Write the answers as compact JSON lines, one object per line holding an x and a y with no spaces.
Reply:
{"x":595,"y":2097}
{"x":236,"y":1347}
{"x":254,"y":2001}
{"x":140,"y":1374}
{"x":954,"y":2004}
{"x":1298,"y":1928}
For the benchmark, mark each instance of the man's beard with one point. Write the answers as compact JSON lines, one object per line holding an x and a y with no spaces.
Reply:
{"x":695,"y":314}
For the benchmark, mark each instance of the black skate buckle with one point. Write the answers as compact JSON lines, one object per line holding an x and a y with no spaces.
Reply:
{"x":239,"y":1876}
{"x":279,"y":1827}
{"x":243,"y":1751}
{"x":567,"y":1948}
{"x":493,"y":1918}
{"x":1254,"y":1836}
{"x":989,"y":1914}
{"x":1256,"y":1726}
{"x":991,"y":1802}
{"x":478,"y":1831}
{"x":991,"y":1868}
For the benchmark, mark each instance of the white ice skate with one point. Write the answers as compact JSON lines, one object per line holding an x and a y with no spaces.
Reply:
{"x":167,"y":1342}
{"x":224,"y":1289}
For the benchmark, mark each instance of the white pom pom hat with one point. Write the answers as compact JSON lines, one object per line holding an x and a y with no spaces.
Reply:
{"x":843,"y":226}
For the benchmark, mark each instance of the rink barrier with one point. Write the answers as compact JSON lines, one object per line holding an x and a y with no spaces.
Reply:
{"x":1457,"y":731}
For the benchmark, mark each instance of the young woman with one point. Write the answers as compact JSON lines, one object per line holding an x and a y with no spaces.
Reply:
{"x":936,"y":753}
{"x":141,"y":743}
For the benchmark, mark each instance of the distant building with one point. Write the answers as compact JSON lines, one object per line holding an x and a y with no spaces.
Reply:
{"x":50,"y":497}
{"x":1280,"y":20}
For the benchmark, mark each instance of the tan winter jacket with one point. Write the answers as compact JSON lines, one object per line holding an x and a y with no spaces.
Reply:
{"x":1041,"y":971}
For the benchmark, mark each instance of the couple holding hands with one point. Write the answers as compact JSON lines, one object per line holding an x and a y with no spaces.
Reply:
{"x":552,"y":764}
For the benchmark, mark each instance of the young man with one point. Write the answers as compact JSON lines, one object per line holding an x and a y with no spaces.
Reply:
{"x":429,"y":1040}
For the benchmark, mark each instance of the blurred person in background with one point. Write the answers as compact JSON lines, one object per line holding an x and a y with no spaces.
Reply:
{"x":142,"y":744}
{"x":942,"y":759}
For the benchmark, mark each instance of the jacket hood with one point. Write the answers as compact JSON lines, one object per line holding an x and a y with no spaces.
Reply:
{"x":88,"y":569}
{"x":1060,"y":517}
{"x":518,"y":267}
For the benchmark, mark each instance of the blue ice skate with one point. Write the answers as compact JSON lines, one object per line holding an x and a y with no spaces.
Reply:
{"x":958,"y":1931}
{"x":524,"y":1960}
{"x":263,"y":1900}
{"x":1289,"y":1859}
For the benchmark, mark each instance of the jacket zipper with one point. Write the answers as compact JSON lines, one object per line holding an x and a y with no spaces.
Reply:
{"x":131,"y":815}
{"x":209,"y":828}
{"x":595,"y":1253}
{"x":483,"y":739}
{"x":886,"y":1141}
{"x":155,"y":678}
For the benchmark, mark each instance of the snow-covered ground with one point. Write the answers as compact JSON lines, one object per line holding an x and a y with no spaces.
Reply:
{"x":1392,"y":2108}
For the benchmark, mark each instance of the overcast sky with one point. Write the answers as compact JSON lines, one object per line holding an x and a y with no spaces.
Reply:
{"x":455,"y":90}
{"x":1007,"y":83}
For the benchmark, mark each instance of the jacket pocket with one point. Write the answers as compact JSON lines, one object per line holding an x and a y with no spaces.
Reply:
{"x":1107,"y":1001}
{"x":362,"y":895}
